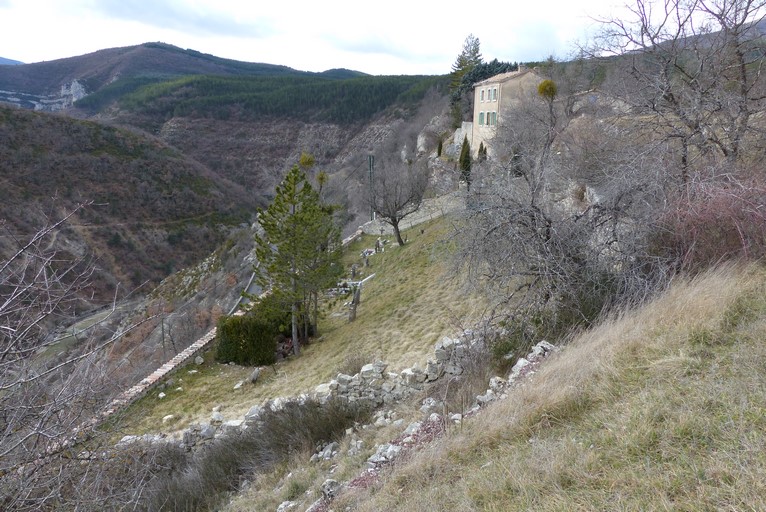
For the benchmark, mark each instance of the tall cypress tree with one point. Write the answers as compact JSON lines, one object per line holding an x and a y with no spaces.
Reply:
{"x":465,"y":162}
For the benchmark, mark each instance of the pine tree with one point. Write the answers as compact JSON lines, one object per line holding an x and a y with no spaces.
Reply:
{"x":469,"y":58}
{"x":299,"y":248}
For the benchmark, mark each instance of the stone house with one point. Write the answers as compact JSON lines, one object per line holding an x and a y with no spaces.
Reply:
{"x":493,"y":97}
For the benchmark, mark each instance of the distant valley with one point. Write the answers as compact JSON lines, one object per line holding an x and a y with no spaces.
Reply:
{"x":175,"y":147}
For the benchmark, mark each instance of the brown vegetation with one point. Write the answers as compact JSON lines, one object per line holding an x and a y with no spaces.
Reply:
{"x":152,"y":210}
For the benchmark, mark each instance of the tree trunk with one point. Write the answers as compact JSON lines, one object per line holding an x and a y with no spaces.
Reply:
{"x":294,"y":321}
{"x":315,"y":323}
{"x":397,"y":233}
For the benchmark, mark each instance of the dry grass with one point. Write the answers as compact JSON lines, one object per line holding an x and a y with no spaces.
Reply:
{"x":409,"y":304}
{"x":660,"y":408}
{"x":268,"y":491}
{"x":656,"y":408}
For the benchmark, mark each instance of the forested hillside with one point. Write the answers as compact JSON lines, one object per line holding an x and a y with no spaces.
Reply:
{"x":151,"y":210}
{"x":305,"y":98}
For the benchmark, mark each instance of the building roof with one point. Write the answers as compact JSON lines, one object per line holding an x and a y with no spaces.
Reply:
{"x":504,"y":77}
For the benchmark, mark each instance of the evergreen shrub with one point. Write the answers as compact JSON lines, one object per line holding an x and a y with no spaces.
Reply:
{"x":251,"y":339}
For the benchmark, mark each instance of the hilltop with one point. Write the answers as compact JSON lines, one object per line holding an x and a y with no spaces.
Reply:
{"x":54,"y":85}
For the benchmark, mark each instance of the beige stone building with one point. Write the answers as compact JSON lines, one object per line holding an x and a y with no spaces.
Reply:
{"x":492,"y":99}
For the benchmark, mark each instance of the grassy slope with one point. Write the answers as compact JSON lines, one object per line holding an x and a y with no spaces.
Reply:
{"x":409,"y":304}
{"x":659,"y":408}
{"x":662,"y":408}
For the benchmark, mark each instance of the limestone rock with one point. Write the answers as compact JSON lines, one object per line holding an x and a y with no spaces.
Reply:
{"x":497,"y":384}
{"x":286,"y":505}
{"x":330,"y":488}
{"x":412,"y":428}
{"x":430,"y":405}
{"x":384,"y":454}
{"x":207,"y":431}
{"x":486,"y":398}
{"x":518,"y":368}
{"x":322,"y":391}
{"x":368,"y":371}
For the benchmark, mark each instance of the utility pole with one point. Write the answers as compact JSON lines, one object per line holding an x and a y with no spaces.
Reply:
{"x":372,"y":189}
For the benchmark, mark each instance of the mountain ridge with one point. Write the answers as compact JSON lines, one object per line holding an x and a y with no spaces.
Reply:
{"x":45,"y":80}
{"x":9,"y":62}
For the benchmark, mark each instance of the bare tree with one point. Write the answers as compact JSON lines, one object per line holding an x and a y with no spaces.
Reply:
{"x":556,"y":227}
{"x":693,"y":68}
{"x":398,"y":187}
{"x":48,"y":395}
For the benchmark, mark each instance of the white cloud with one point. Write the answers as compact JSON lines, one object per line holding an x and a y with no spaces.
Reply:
{"x":393,"y":37}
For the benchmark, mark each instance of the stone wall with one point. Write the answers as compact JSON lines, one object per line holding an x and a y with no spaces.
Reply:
{"x":376,"y":386}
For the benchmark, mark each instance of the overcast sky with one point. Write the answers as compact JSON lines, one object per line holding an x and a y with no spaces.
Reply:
{"x":388,"y":37}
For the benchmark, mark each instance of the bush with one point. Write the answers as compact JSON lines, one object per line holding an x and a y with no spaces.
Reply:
{"x":251,"y":339}
{"x":712,"y":224}
{"x":219,"y":468}
{"x":577,"y":309}
{"x":547,"y":89}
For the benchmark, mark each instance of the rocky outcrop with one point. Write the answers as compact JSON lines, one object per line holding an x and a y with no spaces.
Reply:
{"x":68,"y":94}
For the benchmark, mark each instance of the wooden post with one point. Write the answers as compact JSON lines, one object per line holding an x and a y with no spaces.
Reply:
{"x":356,"y":299}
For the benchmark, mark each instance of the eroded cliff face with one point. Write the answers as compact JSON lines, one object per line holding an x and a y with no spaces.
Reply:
{"x":64,"y":99}
{"x":256,"y":154}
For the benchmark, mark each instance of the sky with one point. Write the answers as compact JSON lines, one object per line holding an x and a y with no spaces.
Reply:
{"x":388,"y":37}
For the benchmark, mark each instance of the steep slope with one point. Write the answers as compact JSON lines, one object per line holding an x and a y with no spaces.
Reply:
{"x":407,"y":306}
{"x":657,"y":409}
{"x":152,"y":210}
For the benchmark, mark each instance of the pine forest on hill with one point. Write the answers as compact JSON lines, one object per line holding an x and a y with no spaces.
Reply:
{"x":342,"y":101}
